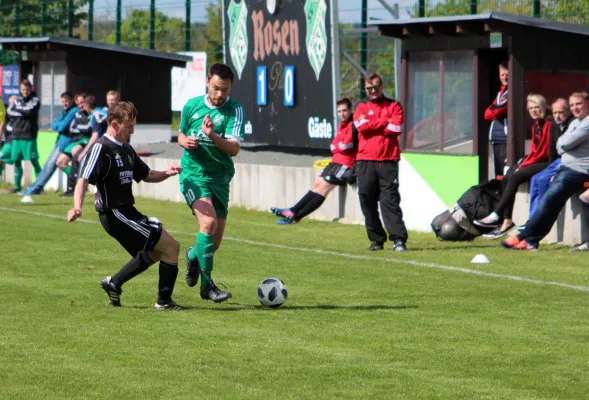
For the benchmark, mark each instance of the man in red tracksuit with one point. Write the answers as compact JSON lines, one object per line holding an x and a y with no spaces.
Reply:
{"x":337,"y":173}
{"x":497,"y":114}
{"x":379,"y":122}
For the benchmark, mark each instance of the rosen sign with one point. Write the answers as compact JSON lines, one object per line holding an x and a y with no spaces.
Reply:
{"x":282,"y":54}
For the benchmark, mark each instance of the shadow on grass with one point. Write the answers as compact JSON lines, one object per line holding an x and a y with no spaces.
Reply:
{"x":245,"y":307}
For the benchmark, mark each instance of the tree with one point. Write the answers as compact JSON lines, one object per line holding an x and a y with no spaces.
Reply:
{"x":169,"y":32}
{"x":32,"y":21}
{"x":213,"y":34}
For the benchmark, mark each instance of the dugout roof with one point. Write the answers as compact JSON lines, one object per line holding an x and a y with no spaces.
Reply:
{"x":72,"y":44}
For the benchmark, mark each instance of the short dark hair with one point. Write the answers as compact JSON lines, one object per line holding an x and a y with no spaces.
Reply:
{"x":222,"y":71}
{"x":80,"y":94}
{"x":90,"y":100}
{"x":504,"y":64}
{"x":26,"y":82}
{"x":345,"y":101}
{"x":68,"y":95}
{"x":371,"y":76}
{"x":121,"y":111}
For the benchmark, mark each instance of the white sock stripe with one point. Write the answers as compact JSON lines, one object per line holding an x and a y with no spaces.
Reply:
{"x":89,"y":166}
{"x":132,"y":224}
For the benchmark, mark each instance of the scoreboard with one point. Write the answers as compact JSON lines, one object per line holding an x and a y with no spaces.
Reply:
{"x":285,"y":64}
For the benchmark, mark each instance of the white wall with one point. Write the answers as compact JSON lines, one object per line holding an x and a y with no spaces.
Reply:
{"x":260,"y":187}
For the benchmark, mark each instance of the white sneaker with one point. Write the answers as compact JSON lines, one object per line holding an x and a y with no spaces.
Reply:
{"x":27,"y":200}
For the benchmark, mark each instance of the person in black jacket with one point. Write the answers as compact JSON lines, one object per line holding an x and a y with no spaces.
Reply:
{"x":24,"y":126}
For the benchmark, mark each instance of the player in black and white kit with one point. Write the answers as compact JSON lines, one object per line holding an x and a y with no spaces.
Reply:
{"x":112,"y":165}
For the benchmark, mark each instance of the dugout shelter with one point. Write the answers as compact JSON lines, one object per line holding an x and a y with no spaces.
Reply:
{"x":449,"y":76}
{"x":142,"y":76}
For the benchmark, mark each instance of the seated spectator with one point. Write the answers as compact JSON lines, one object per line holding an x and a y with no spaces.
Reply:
{"x":584,"y":197}
{"x":337,"y":173}
{"x":534,"y":162}
{"x":541,"y":181}
{"x":61,"y":125}
{"x":81,"y":131}
{"x":573,"y":146}
{"x":98,"y":125}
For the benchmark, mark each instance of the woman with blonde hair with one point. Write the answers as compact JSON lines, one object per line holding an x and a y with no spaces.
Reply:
{"x":534,"y":162}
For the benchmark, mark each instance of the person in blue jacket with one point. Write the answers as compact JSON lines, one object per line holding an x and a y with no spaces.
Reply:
{"x":61,"y":125}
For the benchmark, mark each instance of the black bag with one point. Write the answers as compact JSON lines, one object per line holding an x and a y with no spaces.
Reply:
{"x":476,"y":203}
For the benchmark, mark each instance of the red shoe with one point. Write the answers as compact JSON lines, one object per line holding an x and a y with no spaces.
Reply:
{"x":523,"y":245}
{"x":511,"y":243}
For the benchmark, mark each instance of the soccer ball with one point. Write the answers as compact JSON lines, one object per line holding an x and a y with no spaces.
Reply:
{"x":272,"y":292}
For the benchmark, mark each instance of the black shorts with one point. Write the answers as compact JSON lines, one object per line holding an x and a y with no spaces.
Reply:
{"x":133,"y":230}
{"x":338,"y":174}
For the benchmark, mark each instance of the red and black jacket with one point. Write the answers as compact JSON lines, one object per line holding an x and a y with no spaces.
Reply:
{"x":540,"y":146}
{"x":379,"y":125}
{"x":498,"y":115}
{"x":342,"y":147}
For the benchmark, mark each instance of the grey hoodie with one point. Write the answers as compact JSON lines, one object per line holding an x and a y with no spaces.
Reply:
{"x":573,"y":146}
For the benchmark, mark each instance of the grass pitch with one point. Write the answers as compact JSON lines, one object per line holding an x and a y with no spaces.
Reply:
{"x":357,"y":325}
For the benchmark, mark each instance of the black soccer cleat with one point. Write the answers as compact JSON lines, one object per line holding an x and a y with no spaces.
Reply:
{"x":192,"y":269}
{"x":374,"y":246}
{"x":114,"y":293}
{"x":169,"y":306}
{"x":213,"y":293}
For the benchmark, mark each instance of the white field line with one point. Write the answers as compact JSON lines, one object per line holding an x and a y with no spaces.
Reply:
{"x":345,"y":255}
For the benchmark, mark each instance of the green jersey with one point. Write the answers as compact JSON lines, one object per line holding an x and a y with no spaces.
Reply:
{"x":207,"y":162}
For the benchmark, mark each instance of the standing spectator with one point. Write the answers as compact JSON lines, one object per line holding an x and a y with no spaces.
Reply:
{"x":5,"y":138}
{"x":112,"y":98}
{"x":61,"y":125}
{"x":534,"y":162}
{"x":379,"y":122}
{"x":337,"y":173}
{"x":111,"y":167}
{"x":24,"y":127}
{"x":497,"y":114}
{"x":573,"y":146}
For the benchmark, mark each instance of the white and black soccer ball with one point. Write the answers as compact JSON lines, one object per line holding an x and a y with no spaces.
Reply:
{"x":272,"y":292}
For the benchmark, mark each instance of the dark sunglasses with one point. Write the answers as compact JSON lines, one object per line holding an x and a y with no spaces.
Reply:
{"x":371,"y":88}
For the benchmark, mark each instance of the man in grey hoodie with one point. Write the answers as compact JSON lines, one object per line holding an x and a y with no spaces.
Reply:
{"x":573,"y":146}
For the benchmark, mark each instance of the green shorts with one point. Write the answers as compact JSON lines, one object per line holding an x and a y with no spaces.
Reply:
{"x":218,"y":192}
{"x":6,"y":153}
{"x":70,"y":147}
{"x":24,"y":149}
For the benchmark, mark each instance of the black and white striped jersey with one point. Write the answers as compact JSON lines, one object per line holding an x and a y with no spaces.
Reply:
{"x":112,"y":166}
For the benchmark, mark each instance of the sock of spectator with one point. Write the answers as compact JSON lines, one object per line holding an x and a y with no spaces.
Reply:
{"x":313,"y":204}
{"x":584,"y":197}
{"x":302,"y":202}
{"x":73,"y":175}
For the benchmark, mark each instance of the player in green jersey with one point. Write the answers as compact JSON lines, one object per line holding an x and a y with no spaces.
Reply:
{"x":211,"y":130}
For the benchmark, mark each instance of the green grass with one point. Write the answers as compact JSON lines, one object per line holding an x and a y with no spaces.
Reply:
{"x":356,"y":325}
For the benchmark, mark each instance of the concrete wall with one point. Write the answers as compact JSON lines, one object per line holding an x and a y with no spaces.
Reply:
{"x":260,"y":187}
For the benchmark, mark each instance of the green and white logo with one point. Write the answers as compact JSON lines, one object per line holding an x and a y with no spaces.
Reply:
{"x":237,"y":14}
{"x":315,"y":12}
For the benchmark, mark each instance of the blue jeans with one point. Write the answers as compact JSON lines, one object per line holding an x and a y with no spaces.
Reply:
{"x":565,"y":184}
{"x":540,"y":184}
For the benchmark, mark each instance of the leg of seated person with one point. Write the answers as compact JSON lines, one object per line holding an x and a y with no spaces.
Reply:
{"x":514,"y":180}
{"x":48,"y":169}
{"x":507,"y":202}
{"x":318,"y":193}
{"x":542,"y":181}
{"x":566,"y":183}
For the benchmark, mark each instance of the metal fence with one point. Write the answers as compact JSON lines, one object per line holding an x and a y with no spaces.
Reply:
{"x":184,"y":25}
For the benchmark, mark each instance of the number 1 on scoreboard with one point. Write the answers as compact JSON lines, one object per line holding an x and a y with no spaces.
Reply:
{"x":261,"y":80}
